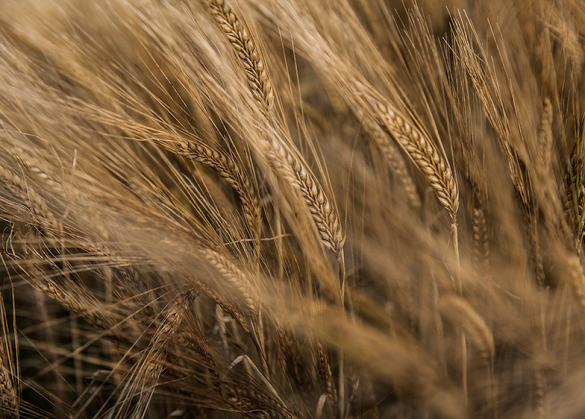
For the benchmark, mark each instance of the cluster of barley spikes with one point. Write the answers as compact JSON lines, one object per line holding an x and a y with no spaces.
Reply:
{"x":284,"y":209}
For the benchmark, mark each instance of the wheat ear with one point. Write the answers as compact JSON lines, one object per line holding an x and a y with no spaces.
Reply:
{"x":249,"y":400}
{"x":239,"y":280}
{"x":224,"y":303}
{"x":35,"y":167}
{"x":235,"y":31}
{"x":80,"y":302}
{"x":431,"y":163}
{"x":129,"y":283}
{"x":199,"y":345}
{"x":534,"y":243}
{"x":576,"y":277}
{"x":38,"y":207}
{"x":323,"y":213}
{"x":538,"y":392}
{"x":574,"y":195}
{"x":326,"y":220}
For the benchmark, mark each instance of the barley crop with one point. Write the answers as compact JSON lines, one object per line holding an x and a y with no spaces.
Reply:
{"x":292,"y":209}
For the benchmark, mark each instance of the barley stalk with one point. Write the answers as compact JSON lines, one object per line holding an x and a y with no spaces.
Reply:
{"x":322,"y":212}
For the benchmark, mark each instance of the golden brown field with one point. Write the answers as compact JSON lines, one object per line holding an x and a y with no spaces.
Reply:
{"x":285,"y":209}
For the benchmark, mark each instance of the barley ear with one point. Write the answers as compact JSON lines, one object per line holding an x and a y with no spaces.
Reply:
{"x":419,"y":148}
{"x":324,"y":370}
{"x":8,"y":398}
{"x":236,"y":277}
{"x":462,"y":314}
{"x":576,"y":277}
{"x":395,"y":161}
{"x":229,"y":170}
{"x":324,"y":214}
{"x":247,"y":51}
{"x":545,"y":136}
{"x":480,"y":249}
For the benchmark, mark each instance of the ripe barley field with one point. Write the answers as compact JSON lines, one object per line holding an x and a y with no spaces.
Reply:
{"x":284,"y":209}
